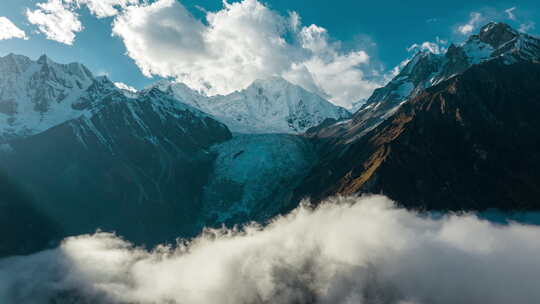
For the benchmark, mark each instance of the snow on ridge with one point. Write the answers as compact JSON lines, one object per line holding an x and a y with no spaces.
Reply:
{"x":36,"y":95}
{"x":271,"y":105}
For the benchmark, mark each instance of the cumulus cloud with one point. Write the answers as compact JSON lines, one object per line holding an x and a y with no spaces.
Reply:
{"x":348,"y":250}
{"x":327,"y":71}
{"x":234,"y":46}
{"x":238,"y":44}
{"x":104,"y":8}
{"x":56,"y":20}
{"x":474,"y":21}
{"x":8,"y":30}
{"x":59,"y":20}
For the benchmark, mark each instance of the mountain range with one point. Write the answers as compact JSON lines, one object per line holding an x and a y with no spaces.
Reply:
{"x":38,"y":95}
{"x":452,"y":131}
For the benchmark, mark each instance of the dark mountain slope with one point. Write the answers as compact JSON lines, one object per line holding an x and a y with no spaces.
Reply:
{"x":136,"y":166}
{"x":23,"y":229}
{"x":471,"y":142}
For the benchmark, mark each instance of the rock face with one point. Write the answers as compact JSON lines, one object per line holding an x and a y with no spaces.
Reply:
{"x":470,"y":142}
{"x":452,"y":131}
{"x":272,"y":105}
{"x":132,"y":165}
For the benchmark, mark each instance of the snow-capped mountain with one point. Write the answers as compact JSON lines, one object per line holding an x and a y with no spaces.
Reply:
{"x":36,"y":95}
{"x":272,"y":105}
{"x":425,"y":69}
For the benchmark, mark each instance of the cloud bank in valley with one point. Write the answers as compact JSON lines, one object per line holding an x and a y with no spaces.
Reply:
{"x":348,"y":250}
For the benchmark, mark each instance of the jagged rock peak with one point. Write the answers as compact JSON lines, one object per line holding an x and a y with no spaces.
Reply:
{"x":43,"y":59}
{"x":497,"y":34}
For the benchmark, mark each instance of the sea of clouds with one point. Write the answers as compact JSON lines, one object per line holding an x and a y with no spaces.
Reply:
{"x":347,"y":250}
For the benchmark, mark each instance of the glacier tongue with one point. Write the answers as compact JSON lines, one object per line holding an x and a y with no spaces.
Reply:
{"x":271,"y":105}
{"x":254,"y":176}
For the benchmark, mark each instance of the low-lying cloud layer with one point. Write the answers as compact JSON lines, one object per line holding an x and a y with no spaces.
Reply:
{"x":349,"y":250}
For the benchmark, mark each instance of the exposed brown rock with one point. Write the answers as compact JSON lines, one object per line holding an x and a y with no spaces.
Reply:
{"x":471,"y":142}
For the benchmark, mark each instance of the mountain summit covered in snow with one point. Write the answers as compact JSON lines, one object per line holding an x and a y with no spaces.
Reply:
{"x":426,"y":69}
{"x":36,"y":95}
{"x":272,"y":105}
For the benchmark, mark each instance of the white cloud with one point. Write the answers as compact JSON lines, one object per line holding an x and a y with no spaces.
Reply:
{"x":489,"y":14}
{"x":510,"y":13}
{"x":59,"y":21}
{"x":56,"y":20}
{"x":239,"y":44}
{"x":474,"y":20}
{"x":104,"y":8}
{"x":348,"y":250}
{"x":335,"y":75}
{"x":524,"y":26}
{"x":437,"y":47}
{"x":8,"y":30}
{"x":126,"y":87}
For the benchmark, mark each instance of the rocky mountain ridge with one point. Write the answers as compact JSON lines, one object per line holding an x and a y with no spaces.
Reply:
{"x":466,"y":141}
{"x":494,"y":41}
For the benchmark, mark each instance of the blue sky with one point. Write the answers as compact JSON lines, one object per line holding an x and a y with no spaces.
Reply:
{"x":382,"y":30}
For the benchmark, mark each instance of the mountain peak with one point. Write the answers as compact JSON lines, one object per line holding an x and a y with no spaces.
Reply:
{"x":497,"y":34}
{"x":36,"y":95}
{"x":267,"y":105}
{"x":43,"y":59}
{"x":425,"y":69}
